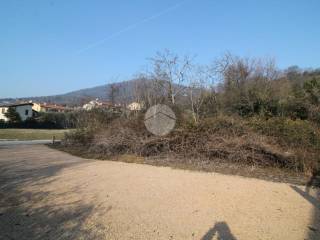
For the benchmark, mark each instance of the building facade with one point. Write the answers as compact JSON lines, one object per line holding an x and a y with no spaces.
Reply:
{"x":135,"y":106}
{"x":23,"y":109}
{"x":46,"y":107}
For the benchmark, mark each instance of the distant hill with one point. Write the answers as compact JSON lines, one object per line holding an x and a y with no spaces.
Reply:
{"x":124,"y":92}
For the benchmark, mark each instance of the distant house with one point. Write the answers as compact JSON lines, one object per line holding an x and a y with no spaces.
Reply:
{"x":23,"y":109}
{"x":36,"y":107}
{"x":46,"y":107}
{"x":134,"y":106}
{"x":97,"y":104}
{"x":90,"y":105}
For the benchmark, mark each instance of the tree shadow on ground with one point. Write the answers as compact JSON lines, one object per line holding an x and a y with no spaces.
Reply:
{"x":26,"y":214}
{"x":222,"y":230}
{"x":314,"y":231}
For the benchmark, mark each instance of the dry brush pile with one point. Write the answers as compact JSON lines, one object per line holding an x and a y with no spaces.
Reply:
{"x":227,"y":139}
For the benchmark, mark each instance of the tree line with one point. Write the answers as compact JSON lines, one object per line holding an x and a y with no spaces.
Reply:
{"x":230,"y":85}
{"x":41,"y":121}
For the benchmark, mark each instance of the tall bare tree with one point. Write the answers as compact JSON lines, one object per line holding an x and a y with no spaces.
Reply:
{"x":113,"y":93}
{"x":171,"y":72}
{"x":199,"y":89}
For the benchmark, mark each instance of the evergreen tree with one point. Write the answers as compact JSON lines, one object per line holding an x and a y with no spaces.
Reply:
{"x":12,"y":115}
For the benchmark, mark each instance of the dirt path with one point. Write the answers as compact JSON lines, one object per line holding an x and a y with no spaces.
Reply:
{"x":47,"y":194}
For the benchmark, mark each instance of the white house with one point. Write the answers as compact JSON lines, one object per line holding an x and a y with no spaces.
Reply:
{"x":92,"y":104}
{"x":135,"y":106}
{"x":23,"y":109}
{"x":97,"y":104}
{"x":47,"y":107}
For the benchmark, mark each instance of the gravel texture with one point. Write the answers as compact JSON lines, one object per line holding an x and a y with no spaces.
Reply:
{"x":47,"y":194}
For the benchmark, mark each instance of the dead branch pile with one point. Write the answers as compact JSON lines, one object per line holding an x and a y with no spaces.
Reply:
{"x":230,"y":143}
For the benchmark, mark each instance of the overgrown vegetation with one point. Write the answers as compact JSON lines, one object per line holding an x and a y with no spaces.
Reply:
{"x":237,"y":110}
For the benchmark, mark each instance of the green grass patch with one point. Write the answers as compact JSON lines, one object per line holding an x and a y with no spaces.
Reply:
{"x":32,"y":134}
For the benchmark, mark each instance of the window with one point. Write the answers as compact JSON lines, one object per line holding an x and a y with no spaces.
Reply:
{"x":27,"y":112}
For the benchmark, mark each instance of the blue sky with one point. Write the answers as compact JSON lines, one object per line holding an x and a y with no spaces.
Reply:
{"x":52,"y":47}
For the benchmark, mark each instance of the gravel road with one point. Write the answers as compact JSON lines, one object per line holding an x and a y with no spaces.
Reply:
{"x":47,"y":194}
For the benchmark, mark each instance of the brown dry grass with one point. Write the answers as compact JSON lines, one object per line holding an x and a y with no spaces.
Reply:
{"x":211,"y":146}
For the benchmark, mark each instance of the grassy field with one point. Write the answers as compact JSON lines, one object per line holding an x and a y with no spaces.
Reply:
{"x":32,"y":134}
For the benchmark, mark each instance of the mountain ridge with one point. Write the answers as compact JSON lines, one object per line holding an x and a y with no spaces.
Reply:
{"x":83,"y":95}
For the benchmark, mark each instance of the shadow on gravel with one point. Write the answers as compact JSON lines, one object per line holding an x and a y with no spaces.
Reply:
{"x":28,"y":214}
{"x":314,"y":230}
{"x":222,"y":230}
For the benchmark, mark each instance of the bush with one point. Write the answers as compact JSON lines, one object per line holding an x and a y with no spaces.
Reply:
{"x":288,"y":132}
{"x":79,"y":137}
{"x":91,"y":123}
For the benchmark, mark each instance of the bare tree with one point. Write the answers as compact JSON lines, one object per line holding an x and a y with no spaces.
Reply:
{"x":199,"y":89}
{"x":144,"y":90}
{"x":171,"y":73}
{"x":113,"y":93}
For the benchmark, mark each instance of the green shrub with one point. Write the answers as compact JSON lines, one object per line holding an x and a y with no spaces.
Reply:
{"x":12,"y":115}
{"x":288,"y":132}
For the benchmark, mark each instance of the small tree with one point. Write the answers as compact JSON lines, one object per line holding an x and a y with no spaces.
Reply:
{"x":12,"y":115}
